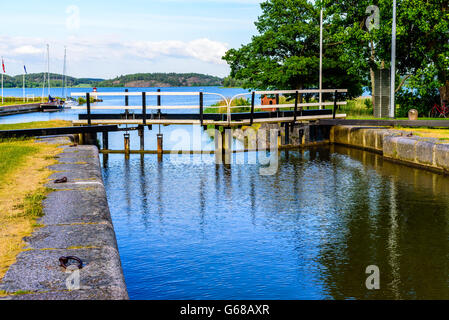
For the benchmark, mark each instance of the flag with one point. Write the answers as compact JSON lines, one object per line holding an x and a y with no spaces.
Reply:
{"x":3,"y":66}
{"x":24,"y":68}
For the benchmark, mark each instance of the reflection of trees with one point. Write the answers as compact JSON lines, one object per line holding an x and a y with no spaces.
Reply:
{"x":342,"y":211}
{"x":398,"y":225}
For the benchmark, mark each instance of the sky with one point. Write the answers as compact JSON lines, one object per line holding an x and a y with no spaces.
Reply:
{"x":105,"y":39}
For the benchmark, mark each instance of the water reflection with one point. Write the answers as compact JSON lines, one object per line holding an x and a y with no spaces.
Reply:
{"x":194,"y":230}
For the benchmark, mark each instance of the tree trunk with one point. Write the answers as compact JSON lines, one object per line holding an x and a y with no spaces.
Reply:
{"x":373,"y":85}
{"x":444,"y":93}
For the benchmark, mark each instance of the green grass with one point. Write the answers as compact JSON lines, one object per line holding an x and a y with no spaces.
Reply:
{"x":35,"y":125}
{"x":9,"y":101}
{"x":32,"y":203}
{"x":12,"y":154}
{"x":23,"y":173}
{"x":5,"y":104}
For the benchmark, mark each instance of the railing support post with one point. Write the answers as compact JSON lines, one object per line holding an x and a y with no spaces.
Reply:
{"x":89,"y":118}
{"x":201,"y":108}
{"x":159,"y":104}
{"x":335,"y":105}
{"x":277,"y":108}
{"x":144,"y":108}
{"x":296,"y":107}
{"x":126,"y":104}
{"x":253,"y":99}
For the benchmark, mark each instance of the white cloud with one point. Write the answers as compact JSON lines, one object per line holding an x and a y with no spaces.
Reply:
{"x":27,"y":50}
{"x":85,"y":52}
{"x":202,"y":49}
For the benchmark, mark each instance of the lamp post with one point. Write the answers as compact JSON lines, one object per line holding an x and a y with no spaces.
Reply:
{"x":321,"y":58}
{"x":393,"y":63}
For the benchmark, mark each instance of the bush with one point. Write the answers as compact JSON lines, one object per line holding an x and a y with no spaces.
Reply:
{"x":414,"y":100}
{"x":423,"y":95}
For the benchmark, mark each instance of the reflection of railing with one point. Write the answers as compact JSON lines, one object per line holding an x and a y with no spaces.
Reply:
{"x":297,"y":106}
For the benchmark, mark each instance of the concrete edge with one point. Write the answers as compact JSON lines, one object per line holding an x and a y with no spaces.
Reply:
{"x":76,"y":222}
{"x":395,"y":145}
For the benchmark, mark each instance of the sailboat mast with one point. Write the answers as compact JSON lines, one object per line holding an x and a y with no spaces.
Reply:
{"x":43,"y":83}
{"x":48,"y":67}
{"x":64,"y":76}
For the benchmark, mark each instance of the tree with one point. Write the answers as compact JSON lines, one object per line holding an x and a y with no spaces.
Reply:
{"x":285,"y":53}
{"x":422,"y":40}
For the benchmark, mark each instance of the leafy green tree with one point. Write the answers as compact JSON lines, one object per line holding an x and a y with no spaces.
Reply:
{"x":422,"y":42}
{"x":285,"y":53}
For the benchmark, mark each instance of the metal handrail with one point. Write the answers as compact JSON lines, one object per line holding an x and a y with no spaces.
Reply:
{"x":200,"y":94}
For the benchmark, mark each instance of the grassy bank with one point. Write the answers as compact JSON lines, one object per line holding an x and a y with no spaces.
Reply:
{"x":23,"y":172}
{"x":36,"y":125}
{"x":10,"y":101}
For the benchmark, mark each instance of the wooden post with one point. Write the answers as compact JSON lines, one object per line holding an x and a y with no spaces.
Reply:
{"x":89,"y":118}
{"x":126,"y":140}
{"x":105,"y":140}
{"x":160,"y":146}
{"x":335,"y":105}
{"x":287,"y":133}
{"x":105,"y":160}
{"x":141,"y":132}
{"x":253,"y":99}
{"x":226,"y":139}
{"x":201,"y":108}
{"x":218,"y":140}
{"x":144,"y":108}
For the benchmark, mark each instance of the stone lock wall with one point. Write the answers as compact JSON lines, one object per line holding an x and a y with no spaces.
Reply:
{"x":395,"y":145}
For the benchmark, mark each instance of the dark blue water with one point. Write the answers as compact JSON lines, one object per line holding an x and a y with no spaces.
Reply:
{"x":188,"y":229}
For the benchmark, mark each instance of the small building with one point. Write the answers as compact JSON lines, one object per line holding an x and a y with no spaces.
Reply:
{"x":267,"y":102}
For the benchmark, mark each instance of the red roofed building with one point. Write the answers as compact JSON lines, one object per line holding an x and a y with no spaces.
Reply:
{"x":267,"y":102}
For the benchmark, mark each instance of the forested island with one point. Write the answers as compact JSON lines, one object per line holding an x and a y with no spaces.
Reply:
{"x":163,"y":80}
{"x":35,"y":80}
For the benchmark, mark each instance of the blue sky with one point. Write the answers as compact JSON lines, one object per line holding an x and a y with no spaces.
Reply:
{"x":109,"y":38}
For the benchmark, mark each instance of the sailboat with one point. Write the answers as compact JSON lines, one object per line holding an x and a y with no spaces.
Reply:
{"x":53,"y":104}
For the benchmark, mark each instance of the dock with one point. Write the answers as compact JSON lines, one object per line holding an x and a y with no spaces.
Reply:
{"x":20,"y":108}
